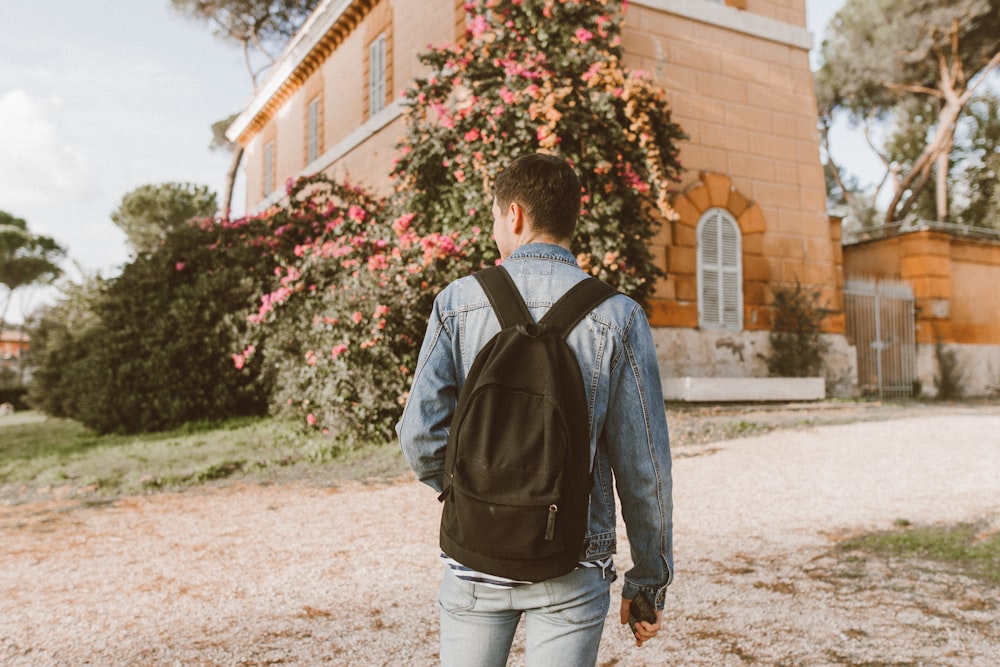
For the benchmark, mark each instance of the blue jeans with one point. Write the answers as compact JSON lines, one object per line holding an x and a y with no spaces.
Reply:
{"x":564,"y":619}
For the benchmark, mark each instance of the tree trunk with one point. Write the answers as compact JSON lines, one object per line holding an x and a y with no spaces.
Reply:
{"x":227,"y":198}
{"x":6,"y":304}
{"x":941,"y":144}
{"x":941,"y":189}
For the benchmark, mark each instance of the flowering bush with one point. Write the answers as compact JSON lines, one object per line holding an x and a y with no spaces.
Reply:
{"x":543,"y":75}
{"x":342,"y":323}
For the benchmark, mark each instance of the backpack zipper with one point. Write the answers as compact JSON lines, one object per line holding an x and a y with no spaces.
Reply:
{"x":550,"y":527}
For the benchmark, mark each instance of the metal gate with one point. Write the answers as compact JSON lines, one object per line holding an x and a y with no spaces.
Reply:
{"x":880,"y":323}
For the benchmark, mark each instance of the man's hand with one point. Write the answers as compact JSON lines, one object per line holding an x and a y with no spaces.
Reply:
{"x":644,"y":631}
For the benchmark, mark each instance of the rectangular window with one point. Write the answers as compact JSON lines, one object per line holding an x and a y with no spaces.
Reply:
{"x":376,"y":75}
{"x":268,"y":168}
{"x":312,"y":131}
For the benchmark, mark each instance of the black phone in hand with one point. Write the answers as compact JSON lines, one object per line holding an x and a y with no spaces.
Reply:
{"x":641,"y":609}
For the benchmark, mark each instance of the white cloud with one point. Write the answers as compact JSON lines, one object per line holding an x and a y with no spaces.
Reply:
{"x":37,"y":163}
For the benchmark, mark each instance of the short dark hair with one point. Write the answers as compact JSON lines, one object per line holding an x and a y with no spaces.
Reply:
{"x":548,"y":190}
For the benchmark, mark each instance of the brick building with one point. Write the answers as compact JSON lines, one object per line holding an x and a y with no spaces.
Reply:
{"x":738,"y":78}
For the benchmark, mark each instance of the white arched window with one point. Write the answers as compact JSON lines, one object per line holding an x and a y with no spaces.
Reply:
{"x":720,"y":271}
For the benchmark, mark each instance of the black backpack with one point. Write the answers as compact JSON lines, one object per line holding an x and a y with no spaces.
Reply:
{"x":517,"y":464}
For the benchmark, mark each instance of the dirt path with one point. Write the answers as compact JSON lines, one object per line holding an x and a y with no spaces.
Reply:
{"x":298,"y":574}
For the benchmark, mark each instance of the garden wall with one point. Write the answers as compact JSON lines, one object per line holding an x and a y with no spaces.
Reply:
{"x":956,"y":286}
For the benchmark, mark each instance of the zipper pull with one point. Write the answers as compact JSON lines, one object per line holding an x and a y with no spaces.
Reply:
{"x":550,"y":527}
{"x":444,"y":494}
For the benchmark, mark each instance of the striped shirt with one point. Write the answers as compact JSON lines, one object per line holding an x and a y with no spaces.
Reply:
{"x":468,"y":574}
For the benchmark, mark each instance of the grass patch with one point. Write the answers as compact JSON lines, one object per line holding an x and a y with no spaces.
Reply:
{"x":966,"y":548}
{"x":745,"y":429}
{"x":38,"y":452}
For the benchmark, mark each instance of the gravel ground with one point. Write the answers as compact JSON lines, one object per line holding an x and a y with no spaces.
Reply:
{"x":300,"y":573}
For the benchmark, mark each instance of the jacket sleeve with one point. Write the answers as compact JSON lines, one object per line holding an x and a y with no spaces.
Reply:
{"x":639,"y":450}
{"x":424,"y":426}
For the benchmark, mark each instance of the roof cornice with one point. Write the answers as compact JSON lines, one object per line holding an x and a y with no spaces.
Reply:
{"x":734,"y":19}
{"x":325,"y":29}
{"x":334,"y":20}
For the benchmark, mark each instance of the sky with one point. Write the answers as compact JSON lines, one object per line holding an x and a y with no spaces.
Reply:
{"x":99,"y":97}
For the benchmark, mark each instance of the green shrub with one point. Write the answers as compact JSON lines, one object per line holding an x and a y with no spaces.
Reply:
{"x":950,"y":376}
{"x":15,"y":396}
{"x":151,"y":348}
{"x":797,"y":347}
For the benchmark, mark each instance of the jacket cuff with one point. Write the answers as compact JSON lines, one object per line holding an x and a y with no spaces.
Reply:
{"x":657,"y":595}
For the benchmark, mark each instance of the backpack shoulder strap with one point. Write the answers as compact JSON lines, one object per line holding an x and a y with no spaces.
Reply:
{"x":576,"y":304}
{"x":508,"y":305}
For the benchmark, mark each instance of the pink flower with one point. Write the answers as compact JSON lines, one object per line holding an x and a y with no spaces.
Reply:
{"x":381,"y":310}
{"x":377,"y":263}
{"x":311,"y":419}
{"x":402,"y":223}
{"x":357,"y":317}
{"x":338,"y":350}
{"x":356,"y":213}
{"x":478,"y":26}
{"x":460,"y":176}
{"x":239,"y":361}
{"x":180,"y":266}
{"x":584,"y":35}
{"x":472,"y":135}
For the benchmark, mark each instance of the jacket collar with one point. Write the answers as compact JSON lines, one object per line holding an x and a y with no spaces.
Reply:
{"x":548,"y":251}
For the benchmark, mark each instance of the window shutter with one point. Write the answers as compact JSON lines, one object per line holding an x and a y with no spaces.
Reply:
{"x":313,"y":141}
{"x":710,"y":273}
{"x":720,"y":272}
{"x":376,"y":75}
{"x":268,"y":168}
{"x":732,"y":297}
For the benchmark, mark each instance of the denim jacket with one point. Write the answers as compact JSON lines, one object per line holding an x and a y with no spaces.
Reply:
{"x":628,"y":428}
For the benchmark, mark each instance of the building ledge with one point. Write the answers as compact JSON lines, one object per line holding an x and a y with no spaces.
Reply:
{"x":713,"y":13}
{"x":713,"y":390}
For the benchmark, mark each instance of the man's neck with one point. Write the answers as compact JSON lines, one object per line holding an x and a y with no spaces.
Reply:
{"x":542,"y":238}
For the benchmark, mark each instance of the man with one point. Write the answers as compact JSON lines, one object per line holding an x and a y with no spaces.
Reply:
{"x":535,"y":209}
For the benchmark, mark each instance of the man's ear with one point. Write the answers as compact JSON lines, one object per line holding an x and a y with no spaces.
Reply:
{"x":516,"y":218}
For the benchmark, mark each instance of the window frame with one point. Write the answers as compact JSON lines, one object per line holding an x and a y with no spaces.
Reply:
{"x":378,"y":74}
{"x":313,"y":143}
{"x":269,"y":165}
{"x":720,"y":278}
